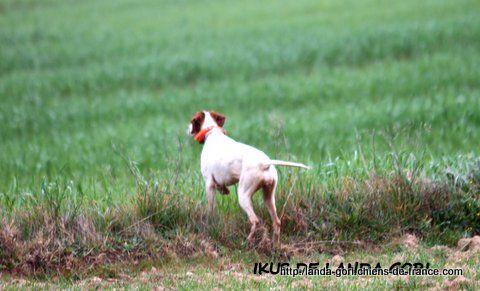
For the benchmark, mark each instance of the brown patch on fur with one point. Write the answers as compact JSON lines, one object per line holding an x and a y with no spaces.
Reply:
{"x":219,"y":118}
{"x":197,"y":122}
{"x":221,"y":188}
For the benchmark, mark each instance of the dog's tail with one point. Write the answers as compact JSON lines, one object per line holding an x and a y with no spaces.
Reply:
{"x":289,"y":164}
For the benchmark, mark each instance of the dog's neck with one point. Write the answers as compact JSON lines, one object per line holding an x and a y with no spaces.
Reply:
{"x":202,"y":135}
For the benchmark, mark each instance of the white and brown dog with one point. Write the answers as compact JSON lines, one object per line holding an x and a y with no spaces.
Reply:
{"x":225,"y":162}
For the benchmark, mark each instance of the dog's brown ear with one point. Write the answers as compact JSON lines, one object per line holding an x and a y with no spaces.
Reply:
{"x":197,"y":122}
{"x":219,"y":118}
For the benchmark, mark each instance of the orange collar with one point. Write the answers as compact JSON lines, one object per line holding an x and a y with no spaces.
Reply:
{"x":200,"y":136}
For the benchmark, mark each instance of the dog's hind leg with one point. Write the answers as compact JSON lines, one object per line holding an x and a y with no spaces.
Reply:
{"x":269,"y":187}
{"x":245,"y":192}
{"x":269,"y":198}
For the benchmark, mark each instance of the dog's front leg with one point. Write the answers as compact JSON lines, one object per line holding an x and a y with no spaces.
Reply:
{"x":210,"y":191}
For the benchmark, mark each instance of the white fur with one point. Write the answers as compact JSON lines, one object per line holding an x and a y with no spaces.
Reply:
{"x":225,"y":162}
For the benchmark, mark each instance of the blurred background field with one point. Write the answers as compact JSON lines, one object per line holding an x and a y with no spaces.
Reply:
{"x":302,"y":78}
{"x":93,"y":90}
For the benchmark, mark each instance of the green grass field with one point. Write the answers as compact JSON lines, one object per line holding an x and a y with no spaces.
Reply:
{"x":382,"y":98}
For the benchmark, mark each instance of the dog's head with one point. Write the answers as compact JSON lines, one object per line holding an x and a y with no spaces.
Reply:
{"x":204,"y":119}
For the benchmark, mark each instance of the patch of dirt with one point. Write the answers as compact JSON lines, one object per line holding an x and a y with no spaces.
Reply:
{"x":336,"y":260}
{"x":410,"y":241}
{"x":444,"y":249}
{"x":466,"y":248}
{"x":475,"y":243}
{"x":469,"y":244}
{"x":455,"y":283}
{"x":261,"y":241}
